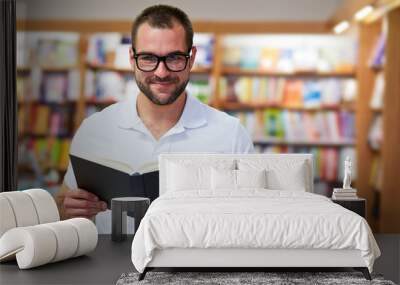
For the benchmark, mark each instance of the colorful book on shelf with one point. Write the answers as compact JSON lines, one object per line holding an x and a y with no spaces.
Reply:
{"x":200,"y":89}
{"x":375,"y":134}
{"x":285,"y":61}
{"x":204,"y":44}
{"x":102,"y":46}
{"x":331,"y":158}
{"x":326,"y":164}
{"x":23,"y":89}
{"x":55,"y":87}
{"x":309,"y":127}
{"x":349,"y":90}
{"x":376,"y":174}
{"x":277,"y":90}
{"x":41,"y":152}
{"x":331,"y":91}
{"x":59,"y":51}
{"x":376,"y":102}
{"x":269,"y":59}
{"x":317,"y":163}
{"x":293,"y":93}
{"x":273,"y":124}
{"x":321,"y":126}
{"x":55,"y":152}
{"x":249,"y":57}
{"x":40,"y":119}
{"x":378,"y":55}
{"x":245,"y":92}
{"x":292,"y":126}
{"x":55,"y":122}
{"x":231,"y":56}
{"x":109,"y":179}
{"x":74,"y":84}
{"x":121,"y":56}
{"x":311,"y":94}
{"x":261,"y":94}
{"x":255,"y":87}
{"x":347,"y":125}
{"x":333,"y":126}
{"x":64,"y":152}
{"x":272,"y":92}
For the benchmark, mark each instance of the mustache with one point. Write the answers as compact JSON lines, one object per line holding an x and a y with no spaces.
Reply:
{"x":156,"y":79}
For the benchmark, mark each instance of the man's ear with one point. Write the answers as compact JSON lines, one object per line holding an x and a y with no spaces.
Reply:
{"x":131,"y":58}
{"x":192,"y":57}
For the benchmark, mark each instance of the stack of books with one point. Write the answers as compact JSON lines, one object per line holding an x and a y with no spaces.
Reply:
{"x":344,"y":194}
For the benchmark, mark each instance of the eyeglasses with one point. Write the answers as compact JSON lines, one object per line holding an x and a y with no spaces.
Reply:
{"x":173,"y":62}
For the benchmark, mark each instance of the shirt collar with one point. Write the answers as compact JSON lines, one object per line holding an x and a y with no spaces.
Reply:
{"x":193,"y":115}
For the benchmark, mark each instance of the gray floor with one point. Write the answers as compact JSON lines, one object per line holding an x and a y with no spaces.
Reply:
{"x":389,"y":262}
{"x":110,"y":260}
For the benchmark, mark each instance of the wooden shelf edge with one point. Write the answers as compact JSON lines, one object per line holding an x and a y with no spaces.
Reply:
{"x":258,"y":72}
{"x":237,"y":106}
{"x":44,"y":68}
{"x":303,"y":143}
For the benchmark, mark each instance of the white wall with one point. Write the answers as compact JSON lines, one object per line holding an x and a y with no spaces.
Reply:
{"x":235,"y":10}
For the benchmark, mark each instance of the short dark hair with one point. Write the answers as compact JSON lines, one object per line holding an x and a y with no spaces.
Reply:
{"x":163,"y":16}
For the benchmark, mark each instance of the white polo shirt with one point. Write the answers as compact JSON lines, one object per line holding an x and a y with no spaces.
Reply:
{"x":118,"y":133}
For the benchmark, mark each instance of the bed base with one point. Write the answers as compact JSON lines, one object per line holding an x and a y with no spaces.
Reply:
{"x":363,"y":270}
{"x":240,"y":259}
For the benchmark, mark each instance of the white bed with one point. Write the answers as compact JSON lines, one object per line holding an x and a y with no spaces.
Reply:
{"x":219,"y":210}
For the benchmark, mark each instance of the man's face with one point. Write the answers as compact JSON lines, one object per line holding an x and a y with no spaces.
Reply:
{"x":161,"y":86}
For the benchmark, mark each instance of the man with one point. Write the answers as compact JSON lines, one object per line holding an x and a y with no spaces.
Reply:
{"x":161,"y":118}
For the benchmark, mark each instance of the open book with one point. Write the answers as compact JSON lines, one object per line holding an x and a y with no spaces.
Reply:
{"x":110,"y":179}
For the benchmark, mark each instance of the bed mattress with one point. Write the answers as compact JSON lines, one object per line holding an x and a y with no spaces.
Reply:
{"x":251,"y":219}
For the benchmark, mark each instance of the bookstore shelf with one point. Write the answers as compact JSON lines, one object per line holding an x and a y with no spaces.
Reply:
{"x":209,"y":70}
{"x":298,"y":74}
{"x":378,"y":116}
{"x":237,"y":74}
{"x":48,"y":68}
{"x":102,"y":72}
{"x":304,"y":143}
{"x":238,"y":106}
{"x":49,"y":103}
{"x":100,"y":102}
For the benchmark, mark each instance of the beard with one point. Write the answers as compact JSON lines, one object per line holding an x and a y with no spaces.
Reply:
{"x":144,"y":87}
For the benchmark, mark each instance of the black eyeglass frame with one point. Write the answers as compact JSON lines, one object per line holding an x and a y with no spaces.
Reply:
{"x":161,"y":58}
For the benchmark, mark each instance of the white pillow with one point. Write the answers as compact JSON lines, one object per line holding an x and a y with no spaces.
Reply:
{"x":237,"y":179}
{"x":223,"y":179}
{"x":183,"y":178}
{"x":294,"y":180}
{"x":251,"y":178}
{"x":187,"y":175}
{"x":282,"y":174}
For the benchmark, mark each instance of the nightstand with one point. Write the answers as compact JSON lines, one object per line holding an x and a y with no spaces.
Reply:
{"x":356,"y":205}
{"x":120,"y":207}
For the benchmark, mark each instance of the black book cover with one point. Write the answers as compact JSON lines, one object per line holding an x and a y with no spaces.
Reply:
{"x":107,"y":182}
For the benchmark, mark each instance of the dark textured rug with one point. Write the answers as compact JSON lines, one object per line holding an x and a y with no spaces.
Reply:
{"x":231,"y":278}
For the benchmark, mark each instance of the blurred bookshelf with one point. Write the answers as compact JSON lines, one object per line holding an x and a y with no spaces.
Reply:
{"x":294,"y":93}
{"x":379,"y":112}
{"x":281,"y":92}
{"x":295,"y":87}
{"x":47,"y":94}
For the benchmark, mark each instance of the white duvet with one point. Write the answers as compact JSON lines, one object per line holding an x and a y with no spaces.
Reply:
{"x":250,"y":219}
